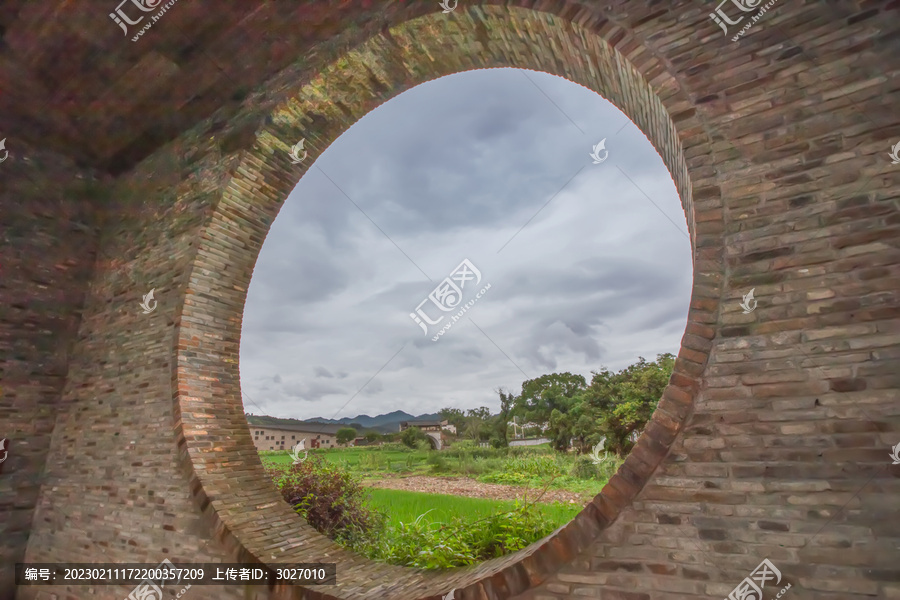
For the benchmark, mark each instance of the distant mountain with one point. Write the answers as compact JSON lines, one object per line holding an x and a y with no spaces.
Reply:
{"x":388,"y":423}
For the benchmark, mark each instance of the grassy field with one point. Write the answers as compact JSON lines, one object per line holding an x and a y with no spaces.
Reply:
{"x":481,"y":529}
{"x":403,"y":506}
{"x":359,"y":459}
{"x":534,"y":466}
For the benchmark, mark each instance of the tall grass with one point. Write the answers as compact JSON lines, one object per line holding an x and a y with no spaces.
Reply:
{"x":532,"y":466}
{"x":437,"y":538}
{"x":402,"y":506}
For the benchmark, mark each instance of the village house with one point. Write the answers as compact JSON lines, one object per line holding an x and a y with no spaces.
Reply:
{"x":285,"y":437}
{"x":433,"y":429}
{"x":428,"y":425}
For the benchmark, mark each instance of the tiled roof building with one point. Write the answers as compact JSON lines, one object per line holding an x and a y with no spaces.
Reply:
{"x":286,"y":436}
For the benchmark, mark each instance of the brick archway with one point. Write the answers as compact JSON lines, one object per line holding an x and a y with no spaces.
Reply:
{"x":161,"y":164}
{"x":254,"y":520}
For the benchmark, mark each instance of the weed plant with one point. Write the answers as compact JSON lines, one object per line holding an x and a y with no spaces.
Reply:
{"x":458,"y":542}
{"x":333,"y":501}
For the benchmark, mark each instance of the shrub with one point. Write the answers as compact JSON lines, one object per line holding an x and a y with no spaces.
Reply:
{"x":328,"y":497}
{"x":412,"y":436}
{"x":584,"y":468}
{"x":393,"y":447}
{"x":345,"y":435}
{"x":468,"y":450}
{"x":608,"y":468}
{"x":463,"y":445}
{"x":334,"y":503}
{"x":438,"y":463}
{"x":369,"y":462}
{"x":457,"y":543}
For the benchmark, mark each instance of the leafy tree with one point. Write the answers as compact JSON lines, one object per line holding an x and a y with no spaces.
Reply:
{"x":576,"y":427}
{"x":541,"y":396}
{"x":412,"y":436}
{"x":500,"y":422}
{"x":478,"y":426}
{"x":455,"y":417}
{"x":622,"y":403}
{"x":560,"y":430}
{"x":345,"y":435}
{"x":482,"y":413}
{"x":616,"y":406}
{"x":373,"y":436}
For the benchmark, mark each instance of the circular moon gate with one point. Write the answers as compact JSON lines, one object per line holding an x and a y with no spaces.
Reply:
{"x":228,"y":481}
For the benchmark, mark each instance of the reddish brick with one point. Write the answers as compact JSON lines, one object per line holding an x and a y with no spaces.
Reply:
{"x":781,"y":193}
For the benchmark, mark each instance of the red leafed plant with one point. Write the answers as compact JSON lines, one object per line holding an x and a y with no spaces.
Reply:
{"x":328,"y":497}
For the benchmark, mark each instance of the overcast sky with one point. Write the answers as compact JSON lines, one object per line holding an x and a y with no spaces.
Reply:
{"x":492,"y":166}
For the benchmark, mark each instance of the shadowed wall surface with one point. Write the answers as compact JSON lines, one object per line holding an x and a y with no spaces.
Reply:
{"x":128,"y":436}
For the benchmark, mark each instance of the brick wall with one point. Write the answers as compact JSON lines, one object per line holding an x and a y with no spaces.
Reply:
{"x":48,"y":238}
{"x":772,"y":439}
{"x":113,"y":488}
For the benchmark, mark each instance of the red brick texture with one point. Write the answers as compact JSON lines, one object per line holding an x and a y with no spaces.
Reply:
{"x":48,"y":247}
{"x":772,"y":439}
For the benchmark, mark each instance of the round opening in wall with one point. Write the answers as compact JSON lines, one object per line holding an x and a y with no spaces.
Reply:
{"x":448,"y":321}
{"x":496,"y":295}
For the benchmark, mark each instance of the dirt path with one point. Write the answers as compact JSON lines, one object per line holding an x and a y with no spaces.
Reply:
{"x":464,"y":486}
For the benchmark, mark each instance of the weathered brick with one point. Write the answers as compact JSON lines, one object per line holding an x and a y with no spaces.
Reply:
{"x":786,"y":188}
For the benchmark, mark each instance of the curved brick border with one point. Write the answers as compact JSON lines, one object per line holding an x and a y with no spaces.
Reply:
{"x":227,"y":479}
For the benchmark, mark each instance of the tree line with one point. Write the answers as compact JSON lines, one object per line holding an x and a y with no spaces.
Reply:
{"x":572,"y":413}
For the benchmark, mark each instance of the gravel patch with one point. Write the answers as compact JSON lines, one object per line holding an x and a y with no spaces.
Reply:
{"x":465,"y":486}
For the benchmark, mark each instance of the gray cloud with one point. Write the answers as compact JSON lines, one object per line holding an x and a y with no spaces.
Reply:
{"x":583,"y":274}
